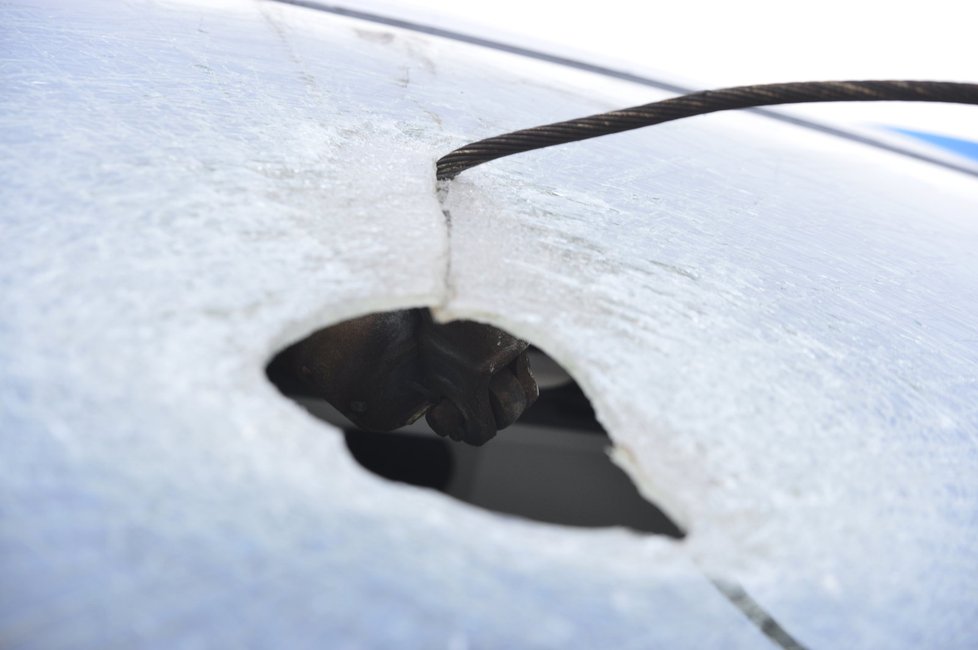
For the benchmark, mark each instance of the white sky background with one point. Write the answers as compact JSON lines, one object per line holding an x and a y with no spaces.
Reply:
{"x":747,"y":41}
{"x":702,"y":44}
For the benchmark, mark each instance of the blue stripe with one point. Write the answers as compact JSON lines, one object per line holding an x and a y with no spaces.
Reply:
{"x":966,"y":148}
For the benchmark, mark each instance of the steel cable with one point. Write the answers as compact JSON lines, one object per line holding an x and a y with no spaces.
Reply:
{"x":699,"y":103}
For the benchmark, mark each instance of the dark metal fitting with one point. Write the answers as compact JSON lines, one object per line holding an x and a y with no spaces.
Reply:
{"x":384,"y":371}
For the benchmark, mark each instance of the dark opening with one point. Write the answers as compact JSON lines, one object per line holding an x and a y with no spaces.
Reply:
{"x":550,"y":466}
